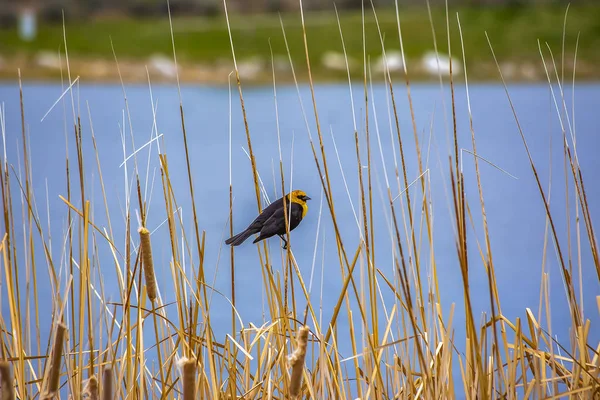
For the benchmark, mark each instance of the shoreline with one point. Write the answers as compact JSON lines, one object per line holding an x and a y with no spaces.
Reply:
{"x":163,"y":70}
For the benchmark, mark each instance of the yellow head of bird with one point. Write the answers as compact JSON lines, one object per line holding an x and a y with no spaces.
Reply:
{"x":298,"y":196}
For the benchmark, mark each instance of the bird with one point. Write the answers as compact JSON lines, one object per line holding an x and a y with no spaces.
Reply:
{"x":271,"y":220}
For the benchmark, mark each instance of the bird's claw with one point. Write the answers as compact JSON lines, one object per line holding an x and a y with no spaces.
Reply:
{"x":285,"y":243}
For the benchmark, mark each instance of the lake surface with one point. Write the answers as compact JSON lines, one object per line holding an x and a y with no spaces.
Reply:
{"x":515,"y":211}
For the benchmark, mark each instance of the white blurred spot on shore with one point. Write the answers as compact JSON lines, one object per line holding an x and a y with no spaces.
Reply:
{"x":392,"y":60}
{"x":250,"y":68}
{"x":48,"y":59}
{"x":439,"y":64}
{"x":281,"y":63}
{"x":165,"y":66}
{"x":336,"y":61}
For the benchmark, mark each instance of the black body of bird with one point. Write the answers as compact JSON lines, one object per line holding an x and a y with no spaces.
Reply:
{"x":271,"y":220}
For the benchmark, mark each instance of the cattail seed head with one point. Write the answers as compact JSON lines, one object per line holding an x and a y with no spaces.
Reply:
{"x":57,"y":351}
{"x":91,"y":388}
{"x":147,"y":262}
{"x":8,"y":389}
{"x":107,"y":384}
{"x":296,"y":360}
{"x":189,"y":378}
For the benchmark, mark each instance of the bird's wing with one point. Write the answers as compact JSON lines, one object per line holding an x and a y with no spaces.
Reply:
{"x":274,"y":225}
{"x":266,"y":213}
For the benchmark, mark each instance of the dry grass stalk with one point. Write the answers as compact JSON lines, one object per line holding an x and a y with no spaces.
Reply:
{"x":57,"y":352}
{"x":189,"y":378}
{"x":147,"y":262}
{"x":91,"y":388}
{"x":7,"y":390}
{"x":107,"y":384}
{"x":296,"y":361}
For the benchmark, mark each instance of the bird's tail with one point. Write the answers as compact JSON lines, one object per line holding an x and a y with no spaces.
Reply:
{"x":239,"y":238}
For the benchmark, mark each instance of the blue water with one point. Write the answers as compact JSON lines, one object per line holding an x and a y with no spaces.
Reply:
{"x":515,"y":211}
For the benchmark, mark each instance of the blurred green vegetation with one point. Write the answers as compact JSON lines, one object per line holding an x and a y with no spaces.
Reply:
{"x":513,"y":31}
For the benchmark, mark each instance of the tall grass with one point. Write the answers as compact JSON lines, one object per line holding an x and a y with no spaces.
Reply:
{"x":405,"y":348}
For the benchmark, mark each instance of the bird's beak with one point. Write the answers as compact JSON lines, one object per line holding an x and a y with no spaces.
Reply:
{"x":307,"y":198}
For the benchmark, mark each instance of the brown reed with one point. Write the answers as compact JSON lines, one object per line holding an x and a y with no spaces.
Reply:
{"x":296,"y":361}
{"x":57,"y":352}
{"x":7,"y":387}
{"x":107,"y":384}
{"x":91,"y":389}
{"x":189,"y":378}
{"x":148,"y":263}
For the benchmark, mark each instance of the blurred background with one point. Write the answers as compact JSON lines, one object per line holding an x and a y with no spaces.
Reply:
{"x":52,"y":9}
{"x":31,"y":37}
